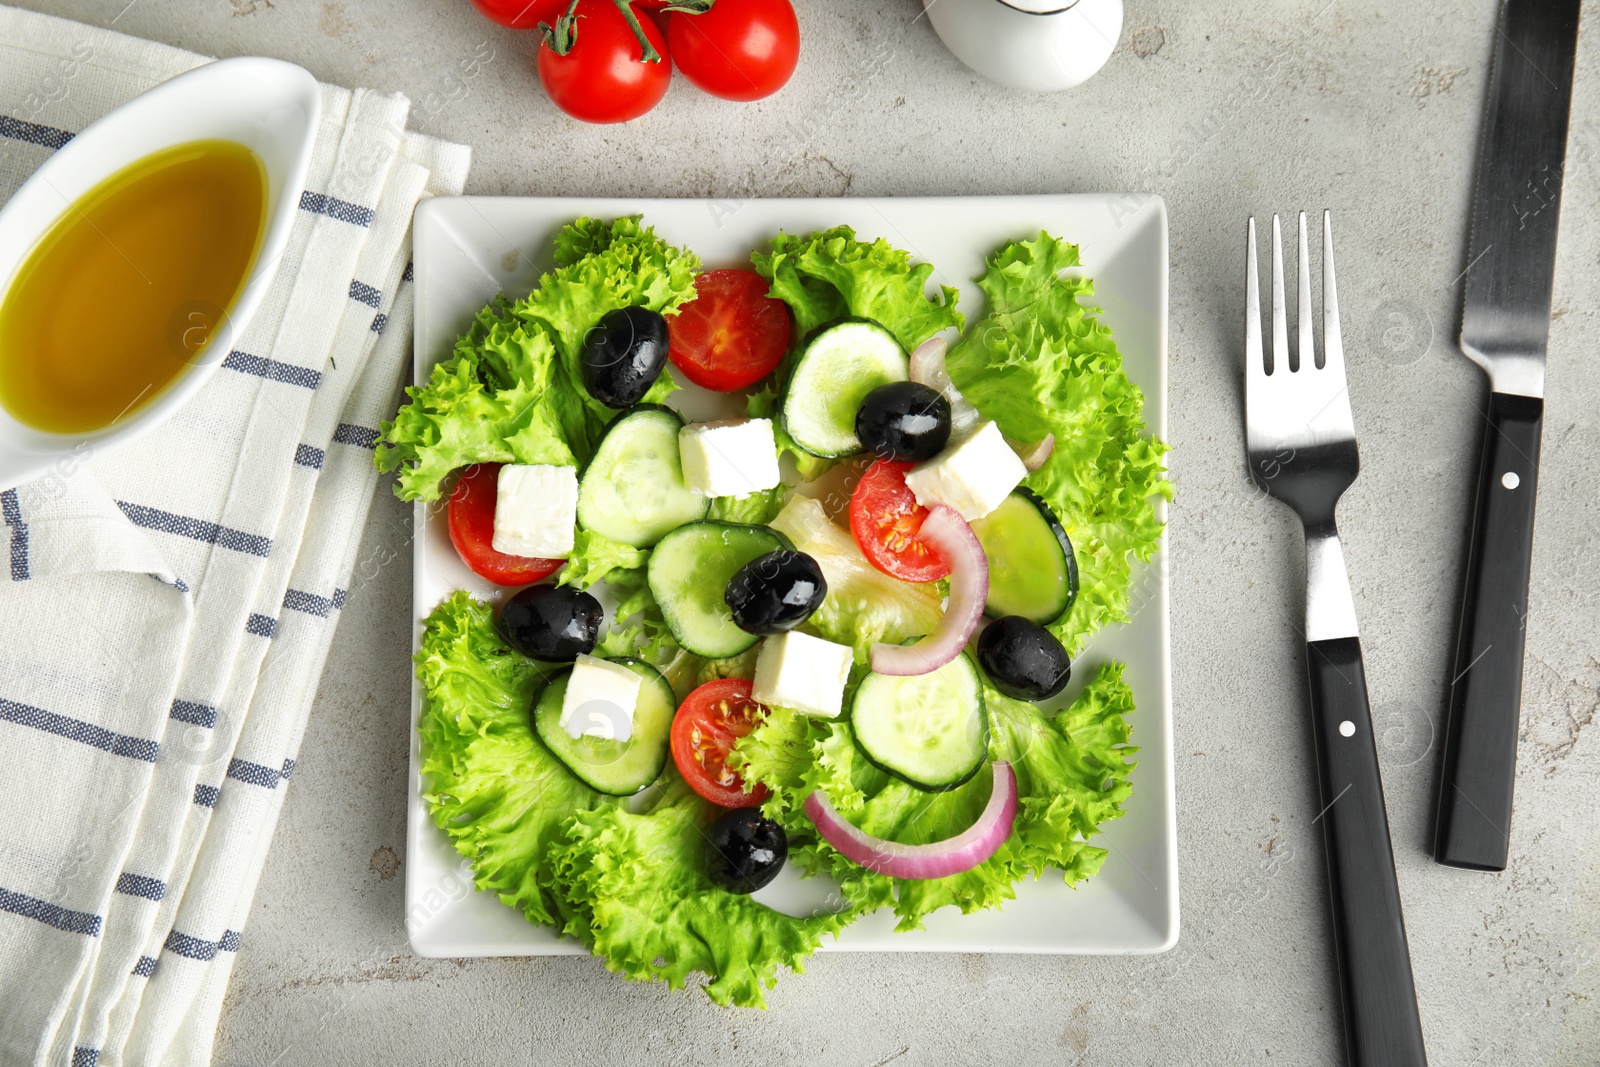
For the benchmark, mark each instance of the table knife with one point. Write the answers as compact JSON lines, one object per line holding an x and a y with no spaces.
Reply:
{"x":1505,"y":328}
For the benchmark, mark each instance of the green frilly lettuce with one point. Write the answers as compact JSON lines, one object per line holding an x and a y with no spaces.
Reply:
{"x":1038,"y":363}
{"x":1072,"y":776}
{"x":629,"y":885}
{"x":512,"y":389}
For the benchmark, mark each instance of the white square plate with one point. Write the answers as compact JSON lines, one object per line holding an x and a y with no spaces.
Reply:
{"x":468,"y":249}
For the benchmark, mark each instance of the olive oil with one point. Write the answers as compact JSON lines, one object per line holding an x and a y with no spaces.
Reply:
{"x":125,"y":291}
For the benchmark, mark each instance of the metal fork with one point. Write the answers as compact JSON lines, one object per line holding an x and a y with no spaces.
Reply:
{"x":1302,"y":449}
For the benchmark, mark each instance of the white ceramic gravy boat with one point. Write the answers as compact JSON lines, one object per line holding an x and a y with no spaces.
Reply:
{"x":1043,"y":45}
{"x":267,"y":105}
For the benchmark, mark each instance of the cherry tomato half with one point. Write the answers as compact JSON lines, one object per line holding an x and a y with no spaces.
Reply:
{"x":885,"y":518}
{"x":472,"y":531}
{"x":732,"y":334}
{"x":604,"y":77}
{"x":520,"y":14}
{"x":708,"y":722}
{"x":739,"y":50}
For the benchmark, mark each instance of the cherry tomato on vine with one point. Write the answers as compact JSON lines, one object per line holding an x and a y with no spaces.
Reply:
{"x":520,"y":14}
{"x":732,"y":334}
{"x":472,"y":531}
{"x":739,"y":49}
{"x":596,"y":67}
{"x":885,"y":519}
{"x":708,"y":722}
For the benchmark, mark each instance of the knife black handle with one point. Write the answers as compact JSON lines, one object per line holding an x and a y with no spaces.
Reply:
{"x":1480,"y":739}
{"x":1380,"y":1002}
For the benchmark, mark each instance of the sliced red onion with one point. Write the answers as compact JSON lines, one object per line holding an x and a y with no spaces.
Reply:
{"x":1036,"y":455}
{"x":940,"y":859}
{"x":928,"y":368}
{"x":946,"y":530}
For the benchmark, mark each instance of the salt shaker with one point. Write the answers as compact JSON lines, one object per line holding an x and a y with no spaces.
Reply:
{"x":1043,"y":45}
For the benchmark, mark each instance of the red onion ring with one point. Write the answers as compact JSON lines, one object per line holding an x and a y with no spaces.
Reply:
{"x":946,"y":530}
{"x":928,"y":368}
{"x":940,"y":859}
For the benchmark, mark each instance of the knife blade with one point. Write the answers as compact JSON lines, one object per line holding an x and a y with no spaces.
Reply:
{"x":1505,"y":328}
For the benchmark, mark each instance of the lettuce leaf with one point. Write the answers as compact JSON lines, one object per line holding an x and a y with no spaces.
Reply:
{"x":490,"y":785}
{"x":757,"y":509}
{"x":1038,"y":362}
{"x":594,"y":556}
{"x":512,"y":388}
{"x":829,"y":274}
{"x":637,"y":894}
{"x":1072,"y":777}
{"x":863,"y":605}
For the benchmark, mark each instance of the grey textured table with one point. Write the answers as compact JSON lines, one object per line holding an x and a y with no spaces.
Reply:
{"x":1226,"y":107}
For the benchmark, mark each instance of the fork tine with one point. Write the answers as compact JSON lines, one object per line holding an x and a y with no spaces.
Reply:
{"x":1254,"y":361}
{"x":1307,"y":356}
{"x":1280,"y":322}
{"x":1332,"y":338}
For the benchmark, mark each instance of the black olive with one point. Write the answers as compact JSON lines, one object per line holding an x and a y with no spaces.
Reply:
{"x":623,"y":355}
{"x":744,"y":850}
{"x":1023,"y":659}
{"x":556,"y":623}
{"x":904,"y":421}
{"x":775,"y":592}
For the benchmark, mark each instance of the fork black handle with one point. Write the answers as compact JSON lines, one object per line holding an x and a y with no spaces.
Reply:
{"x":1381,"y":1025}
{"x":1480,"y":740}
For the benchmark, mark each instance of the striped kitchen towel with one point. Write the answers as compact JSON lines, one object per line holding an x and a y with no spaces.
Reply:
{"x":165,"y":609}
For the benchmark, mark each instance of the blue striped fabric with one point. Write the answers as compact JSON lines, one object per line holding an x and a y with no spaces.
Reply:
{"x":85,"y":1057}
{"x":338,"y":599}
{"x":360,"y":436}
{"x":261,"y":625}
{"x":310,"y":603}
{"x":230,"y":940}
{"x":288,"y":769}
{"x":363,"y":293}
{"x":273,"y":370}
{"x":73,"y":922}
{"x":145,"y":966}
{"x":88,"y":733}
{"x":379,"y":321}
{"x":196,"y":529}
{"x":194,"y":948}
{"x":193,"y":713}
{"x":12,"y":512}
{"x":139,"y":885}
{"x":409,"y":274}
{"x":206,"y":795}
{"x":309,"y":456}
{"x":22,"y":130}
{"x":334,"y":208}
{"x":254,"y":773}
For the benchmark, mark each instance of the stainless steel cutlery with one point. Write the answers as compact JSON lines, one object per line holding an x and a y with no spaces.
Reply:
{"x":1301,"y":444}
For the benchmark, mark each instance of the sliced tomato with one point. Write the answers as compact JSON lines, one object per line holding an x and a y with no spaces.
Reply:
{"x":708,"y":722}
{"x":472,"y":531}
{"x":732,"y":334}
{"x":885,"y":518}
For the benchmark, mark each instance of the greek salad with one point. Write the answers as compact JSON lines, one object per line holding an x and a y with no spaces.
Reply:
{"x":832,"y":621}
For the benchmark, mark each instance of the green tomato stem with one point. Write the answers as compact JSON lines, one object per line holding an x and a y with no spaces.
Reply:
{"x":647,"y":51}
{"x":564,"y":34}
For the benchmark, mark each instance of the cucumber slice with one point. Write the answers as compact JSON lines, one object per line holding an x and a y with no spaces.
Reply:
{"x":688,"y":574}
{"x":839,"y":365}
{"x":633,"y":490}
{"x":619,"y":768}
{"x":1033,"y":571}
{"x":928,"y":729}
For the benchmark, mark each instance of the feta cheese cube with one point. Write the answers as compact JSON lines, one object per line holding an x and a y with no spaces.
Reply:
{"x":600,"y":699}
{"x":972,"y":477}
{"x":535,"y":510}
{"x":733,"y":457}
{"x":804,"y":673}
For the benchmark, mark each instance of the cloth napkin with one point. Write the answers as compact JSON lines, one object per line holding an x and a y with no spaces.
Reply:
{"x":166,"y":609}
